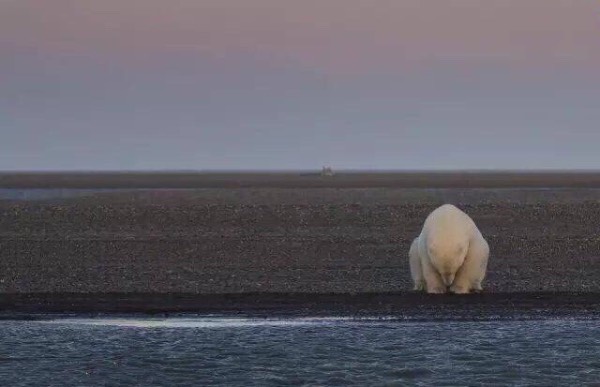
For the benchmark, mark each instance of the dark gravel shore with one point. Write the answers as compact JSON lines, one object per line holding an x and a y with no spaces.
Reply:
{"x":215,"y":241}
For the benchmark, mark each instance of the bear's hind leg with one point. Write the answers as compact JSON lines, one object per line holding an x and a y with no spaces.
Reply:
{"x":415,"y":266}
{"x":477,"y":287}
{"x":472,"y":272}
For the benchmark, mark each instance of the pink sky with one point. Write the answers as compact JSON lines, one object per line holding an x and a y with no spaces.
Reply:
{"x":157,"y":84}
{"x":334,"y":36}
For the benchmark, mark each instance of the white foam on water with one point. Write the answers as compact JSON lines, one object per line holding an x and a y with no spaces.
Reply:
{"x":241,"y":322}
{"x":200,"y":322}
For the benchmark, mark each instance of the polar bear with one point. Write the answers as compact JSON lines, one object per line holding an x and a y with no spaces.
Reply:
{"x":450,"y":253}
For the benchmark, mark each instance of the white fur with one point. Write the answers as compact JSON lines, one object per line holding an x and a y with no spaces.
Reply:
{"x":450,"y":253}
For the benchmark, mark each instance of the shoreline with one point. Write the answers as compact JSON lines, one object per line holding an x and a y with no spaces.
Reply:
{"x":401,"y":306}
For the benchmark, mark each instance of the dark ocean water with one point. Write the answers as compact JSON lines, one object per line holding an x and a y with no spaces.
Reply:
{"x":242,"y":352}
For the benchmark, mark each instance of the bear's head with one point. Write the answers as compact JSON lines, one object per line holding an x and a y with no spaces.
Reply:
{"x":447,"y":258}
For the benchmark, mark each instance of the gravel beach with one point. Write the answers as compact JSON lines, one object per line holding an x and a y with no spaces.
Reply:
{"x":315,"y":240}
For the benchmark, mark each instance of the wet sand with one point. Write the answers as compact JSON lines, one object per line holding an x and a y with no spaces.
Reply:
{"x":298,"y":242}
{"x":401,"y":306}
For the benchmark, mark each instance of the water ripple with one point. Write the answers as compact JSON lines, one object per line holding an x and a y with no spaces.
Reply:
{"x":271,"y":352}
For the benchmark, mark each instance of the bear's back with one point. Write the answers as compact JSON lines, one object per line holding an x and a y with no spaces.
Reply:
{"x":447,"y":224}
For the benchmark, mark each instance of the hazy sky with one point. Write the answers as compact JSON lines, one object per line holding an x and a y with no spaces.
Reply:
{"x":282,"y":84}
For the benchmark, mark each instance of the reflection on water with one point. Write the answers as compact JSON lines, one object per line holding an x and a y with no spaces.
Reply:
{"x":205,"y":322}
{"x":313,"y":351}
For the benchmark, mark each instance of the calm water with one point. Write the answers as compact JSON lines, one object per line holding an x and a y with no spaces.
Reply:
{"x":226,"y":351}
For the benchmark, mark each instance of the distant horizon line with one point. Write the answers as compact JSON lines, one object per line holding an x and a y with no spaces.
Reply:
{"x":313,"y":178}
{"x":287,"y":171}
